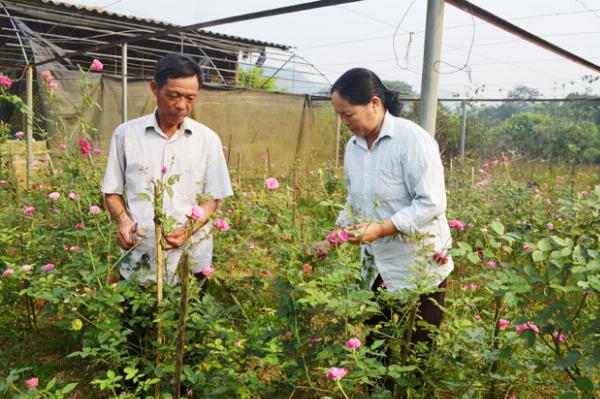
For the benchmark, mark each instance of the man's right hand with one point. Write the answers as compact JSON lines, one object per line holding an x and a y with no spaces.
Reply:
{"x":128,"y":229}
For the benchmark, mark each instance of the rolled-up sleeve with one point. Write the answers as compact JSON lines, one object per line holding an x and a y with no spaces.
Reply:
{"x":114,"y":176}
{"x":217,"y":182}
{"x":424,"y":178}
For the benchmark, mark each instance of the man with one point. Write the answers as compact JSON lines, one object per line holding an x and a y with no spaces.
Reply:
{"x":155,"y":147}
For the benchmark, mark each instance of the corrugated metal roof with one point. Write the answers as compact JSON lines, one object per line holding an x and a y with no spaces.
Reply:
{"x":154,"y":22}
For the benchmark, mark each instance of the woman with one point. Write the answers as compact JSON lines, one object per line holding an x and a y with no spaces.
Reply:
{"x":396,"y":195}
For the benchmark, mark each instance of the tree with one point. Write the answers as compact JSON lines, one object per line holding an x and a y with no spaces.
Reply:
{"x":401,"y":87}
{"x":254,"y":78}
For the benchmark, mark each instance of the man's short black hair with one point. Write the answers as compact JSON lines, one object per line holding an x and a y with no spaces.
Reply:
{"x":173,"y":66}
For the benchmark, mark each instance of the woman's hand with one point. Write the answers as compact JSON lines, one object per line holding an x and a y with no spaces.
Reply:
{"x":364,"y":233}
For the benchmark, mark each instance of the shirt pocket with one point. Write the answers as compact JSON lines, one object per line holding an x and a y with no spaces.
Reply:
{"x":390,"y":181}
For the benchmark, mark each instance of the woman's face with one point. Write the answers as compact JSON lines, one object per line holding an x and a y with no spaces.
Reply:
{"x":362,"y":120}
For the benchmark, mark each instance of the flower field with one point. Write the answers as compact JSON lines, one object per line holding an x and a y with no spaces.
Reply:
{"x":277,"y":317}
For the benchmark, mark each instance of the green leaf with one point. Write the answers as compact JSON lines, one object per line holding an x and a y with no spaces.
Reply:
{"x":69,"y":387}
{"x":569,"y":395}
{"x":173,"y":179}
{"x":143,"y":197}
{"x":497,"y":227}
{"x":544,"y":245}
{"x":538,"y":256}
{"x":473,"y":258}
{"x":584,"y":383}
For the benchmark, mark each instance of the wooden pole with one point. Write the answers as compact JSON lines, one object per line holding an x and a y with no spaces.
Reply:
{"x":29,"y":126}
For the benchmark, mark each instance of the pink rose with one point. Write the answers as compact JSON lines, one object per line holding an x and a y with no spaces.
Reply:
{"x":337,"y":236}
{"x":440,"y":258}
{"x":54,"y":196}
{"x":307,"y":268}
{"x":19,"y":134}
{"x":527,"y":247}
{"x":495,"y":162}
{"x":221,"y":224}
{"x":5,"y":81}
{"x":505,"y":157}
{"x":477,"y":317}
{"x":52,"y":84}
{"x":353,"y":343}
{"x":550,"y":226}
{"x":287,"y":334}
{"x":322,"y":252}
{"x":79,"y":226}
{"x":456,"y":224}
{"x":97,"y":152}
{"x":491,"y":263}
{"x":558,"y":337}
{"x":29,"y":211}
{"x":336,"y":373}
{"x":197,"y":212}
{"x":503,"y":323}
{"x":8,"y":272}
{"x":74,"y":197}
{"x":85,"y":146}
{"x":47,"y":267}
{"x":272,"y":183}
{"x":164,"y":170}
{"x":95,"y":209}
{"x":62,"y":146}
{"x":207,"y":271}
{"x":473,"y":287}
{"x":32,"y":383}
{"x":97,"y":65}
{"x":528,"y":326}
{"x":26,"y":268}
{"x":46,"y":75}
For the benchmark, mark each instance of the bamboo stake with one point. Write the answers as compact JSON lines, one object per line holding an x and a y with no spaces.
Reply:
{"x":159,"y":277}
{"x":184,"y":268}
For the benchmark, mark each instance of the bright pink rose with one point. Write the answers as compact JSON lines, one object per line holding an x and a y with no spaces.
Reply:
{"x":440,"y":258}
{"x":221,"y":224}
{"x":353,"y":343}
{"x":197,"y":212}
{"x":477,"y":317}
{"x":337,"y":236}
{"x":54,"y":196}
{"x":32,"y":383}
{"x":85,"y":146}
{"x":207,"y":271}
{"x":79,"y":226}
{"x":62,"y":146}
{"x":473,"y":286}
{"x":52,"y":84}
{"x":5,"y":81}
{"x":456,"y":224}
{"x":272,"y":183}
{"x":503,"y":323}
{"x":97,"y":65}
{"x":47,"y":267}
{"x":336,"y":373}
{"x":46,"y":75}
{"x":164,"y":170}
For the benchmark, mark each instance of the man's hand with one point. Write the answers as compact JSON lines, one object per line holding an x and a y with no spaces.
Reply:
{"x":364,"y":233}
{"x":128,"y":233}
{"x":176,"y":238}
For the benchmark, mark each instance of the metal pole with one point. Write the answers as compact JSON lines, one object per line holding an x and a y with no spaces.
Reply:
{"x":124,"y":83}
{"x":29,"y":127}
{"x":463,"y":128}
{"x":337,"y":143}
{"x":432,"y":54}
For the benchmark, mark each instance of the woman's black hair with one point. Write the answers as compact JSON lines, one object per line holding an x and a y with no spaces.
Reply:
{"x":173,"y":66}
{"x":359,"y":85}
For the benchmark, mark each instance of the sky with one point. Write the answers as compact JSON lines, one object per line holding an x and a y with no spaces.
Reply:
{"x":478,"y":60}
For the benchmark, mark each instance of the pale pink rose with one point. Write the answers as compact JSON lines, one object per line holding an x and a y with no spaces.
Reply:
{"x":52,"y":84}
{"x":54,"y":210}
{"x":337,"y":236}
{"x":46,"y":75}
{"x":54,"y":196}
{"x":5,"y":81}
{"x":480,"y":184}
{"x":62,"y":146}
{"x":505,"y":157}
{"x":528,"y":326}
{"x":485,"y":166}
{"x":336,"y":373}
{"x":97,"y":151}
{"x":491,"y":263}
{"x":550,"y":226}
{"x":26,"y":268}
{"x":477,"y":317}
{"x":32,"y":383}
{"x":95,"y":209}
{"x":197,"y":212}
{"x":244,"y":194}
{"x":353,"y":343}
{"x":47,"y":267}
{"x":35,"y":164}
{"x":74,"y":197}
{"x":219,"y":211}
{"x":495,"y":162}
{"x":29,"y":211}
{"x":465,"y":287}
{"x":189,"y":393}
{"x":251,"y":246}
{"x":558,"y":337}
{"x":473,"y":286}
{"x":583,"y":193}
{"x":272,"y":183}
{"x":85,"y":146}
{"x":470,"y":226}
{"x":456,"y":224}
{"x":74,"y":248}
{"x":503,"y":323}
{"x":97,"y":65}
{"x":253,"y":193}
{"x":230,"y":211}
{"x":8,"y":272}
{"x":207,"y":271}
{"x":221,"y":224}
{"x":238,"y":342}
{"x":19,"y":134}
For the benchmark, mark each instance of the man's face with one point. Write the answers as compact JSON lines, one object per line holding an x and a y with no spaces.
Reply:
{"x":175,"y":99}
